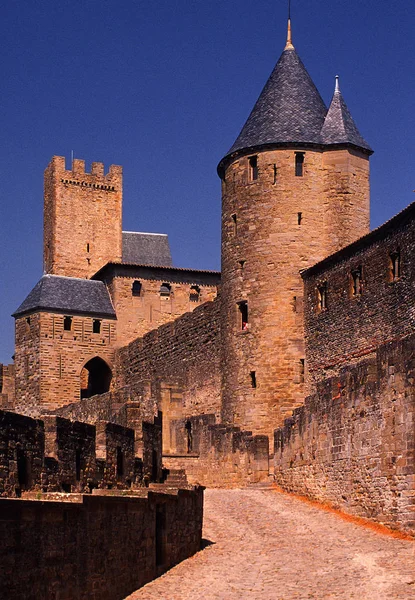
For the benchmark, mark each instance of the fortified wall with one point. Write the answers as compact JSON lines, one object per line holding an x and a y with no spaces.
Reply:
{"x":352,"y":443}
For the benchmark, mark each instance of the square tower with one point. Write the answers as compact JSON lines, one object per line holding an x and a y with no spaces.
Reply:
{"x":82,"y":218}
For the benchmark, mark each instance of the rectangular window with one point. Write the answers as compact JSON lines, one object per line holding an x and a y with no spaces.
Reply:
{"x":299,"y":164}
{"x":322,"y":296}
{"x":67,"y":323}
{"x":253,"y":379}
{"x":235,"y":224}
{"x":253,"y":168}
{"x":275,"y":174}
{"x":96,"y":326}
{"x":395,"y":264}
{"x":302,"y":369}
{"x":357,"y":282}
{"x":243,"y":315}
{"x":299,"y":218}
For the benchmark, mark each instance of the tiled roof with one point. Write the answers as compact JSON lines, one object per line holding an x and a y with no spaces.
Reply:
{"x":68,"y":294}
{"x":339,"y":127}
{"x":289,"y":109}
{"x":146,"y":249}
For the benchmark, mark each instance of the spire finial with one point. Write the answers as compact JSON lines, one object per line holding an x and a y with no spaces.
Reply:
{"x":337,"y":85}
{"x":289,"y":44}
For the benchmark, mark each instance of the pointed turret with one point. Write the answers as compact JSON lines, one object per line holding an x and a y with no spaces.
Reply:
{"x":339,"y":127}
{"x":288,"y":111}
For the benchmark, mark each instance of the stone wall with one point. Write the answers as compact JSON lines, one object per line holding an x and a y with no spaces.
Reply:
{"x":352,"y":443}
{"x":145,"y":298}
{"x":58,"y":455}
{"x":7,"y":386}
{"x":274,"y":224}
{"x":82,"y":218}
{"x":218,"y":455}
{"x":181,"y":360}
{"x":50,"y":360}
{"x":355,"y":321}
{"x":90,"y":547}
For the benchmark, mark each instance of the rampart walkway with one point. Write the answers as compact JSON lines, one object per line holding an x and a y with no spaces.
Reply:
{"x":269,"y":546}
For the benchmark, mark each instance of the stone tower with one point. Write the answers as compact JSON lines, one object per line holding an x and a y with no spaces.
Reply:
{"x":82,"y":218}
{"x":295,"y":188}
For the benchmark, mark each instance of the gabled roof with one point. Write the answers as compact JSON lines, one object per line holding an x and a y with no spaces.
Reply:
{"x":54,"y":293}
{"x":339,"y":127}
{"x":146,"y":249}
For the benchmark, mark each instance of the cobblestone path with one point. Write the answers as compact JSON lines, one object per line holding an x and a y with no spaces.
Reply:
{"x":269,"y":546}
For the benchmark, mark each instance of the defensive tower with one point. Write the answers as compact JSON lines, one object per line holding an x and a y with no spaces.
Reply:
{"x":295,"y":188}
{"x":82,"y":218}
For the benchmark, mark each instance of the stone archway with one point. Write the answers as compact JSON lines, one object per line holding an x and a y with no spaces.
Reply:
{"x":95,"y":377}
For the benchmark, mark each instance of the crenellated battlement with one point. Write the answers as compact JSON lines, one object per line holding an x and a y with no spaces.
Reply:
{"x":58,"y":166}
{"x":79,"y":205}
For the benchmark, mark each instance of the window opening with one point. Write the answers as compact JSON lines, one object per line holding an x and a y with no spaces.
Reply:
{"x":357,"y":282}
{"x":189,"y":436}
{"x":95,"y":378}
{"x":165,"y":290}
{"x":194,"y":293}
{"x":235,"y":224}
{"x":67,"y":323}
{"x":242,"y":263}
{"x":395,"y":258}
{"x":294,"y":303}
{"x":275,"y":174}
{"x":299,"y":164}
{"x":322,"y":296}
{"x":253,"y":168}
{"x":136,"y":289}
{"x":253,"y":378}
{"x":120,"y":462}
{"x":243,"y":311}
{"x":302,"y":369}
{"x":23,"y":469}
{"x":78,"y":465}
{"x":87,"y":247}
{"x":299,"y":218}
{"x":96,"y":326}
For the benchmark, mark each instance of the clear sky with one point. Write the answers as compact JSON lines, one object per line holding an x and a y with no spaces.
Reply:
{"x":163,"y":88}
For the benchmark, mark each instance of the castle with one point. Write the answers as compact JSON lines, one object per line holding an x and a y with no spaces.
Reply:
{"x":297,"y":360}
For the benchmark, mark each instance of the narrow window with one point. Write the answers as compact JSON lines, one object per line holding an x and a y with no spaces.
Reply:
{"x":357,"y":282}
{"x":294,"y":303}
{"x":136,"y":289}
{"x":253,"y":168}
{"x":302,"y":369}
{"x":395,"y":262}
{"x":67,"y":323}
{"x":242,"y":263}
{"x":23,"y":469}
{"x":275,"y":174}
{"x":189,"y":436}
{"x":299,"y":218}
{"x":165,"y":290}
{"x":120,"y":462}
{"x":253,"y":379}
{"x":243,"y":315}
{"x":322,"y":296}
{"x":87,"y":247}
{"x":235,"y":224}
{"x":299,"y":164}
{"x":194,"y":295}
{"x":96,"y":326}
{"x":28,"y":323}
{"x":78,"y":465}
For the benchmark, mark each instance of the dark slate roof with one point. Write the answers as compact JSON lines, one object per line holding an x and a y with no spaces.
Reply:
{"x":54,"y":293}
{"x":339,"y":127}
{"x":289,"y":109}
{"x":146,"y":249}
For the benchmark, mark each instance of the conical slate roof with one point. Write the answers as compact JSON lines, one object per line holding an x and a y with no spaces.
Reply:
{"x":339,"y":127}
{"x":290,"y":111}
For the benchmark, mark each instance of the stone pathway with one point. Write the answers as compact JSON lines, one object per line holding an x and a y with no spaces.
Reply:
{"x":270,"y":546}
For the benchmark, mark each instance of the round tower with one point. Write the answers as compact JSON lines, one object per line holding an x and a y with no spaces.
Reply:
{"x":295,"y":188}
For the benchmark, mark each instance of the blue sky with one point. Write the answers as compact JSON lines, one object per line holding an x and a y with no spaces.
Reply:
{"x":163,"y":88}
